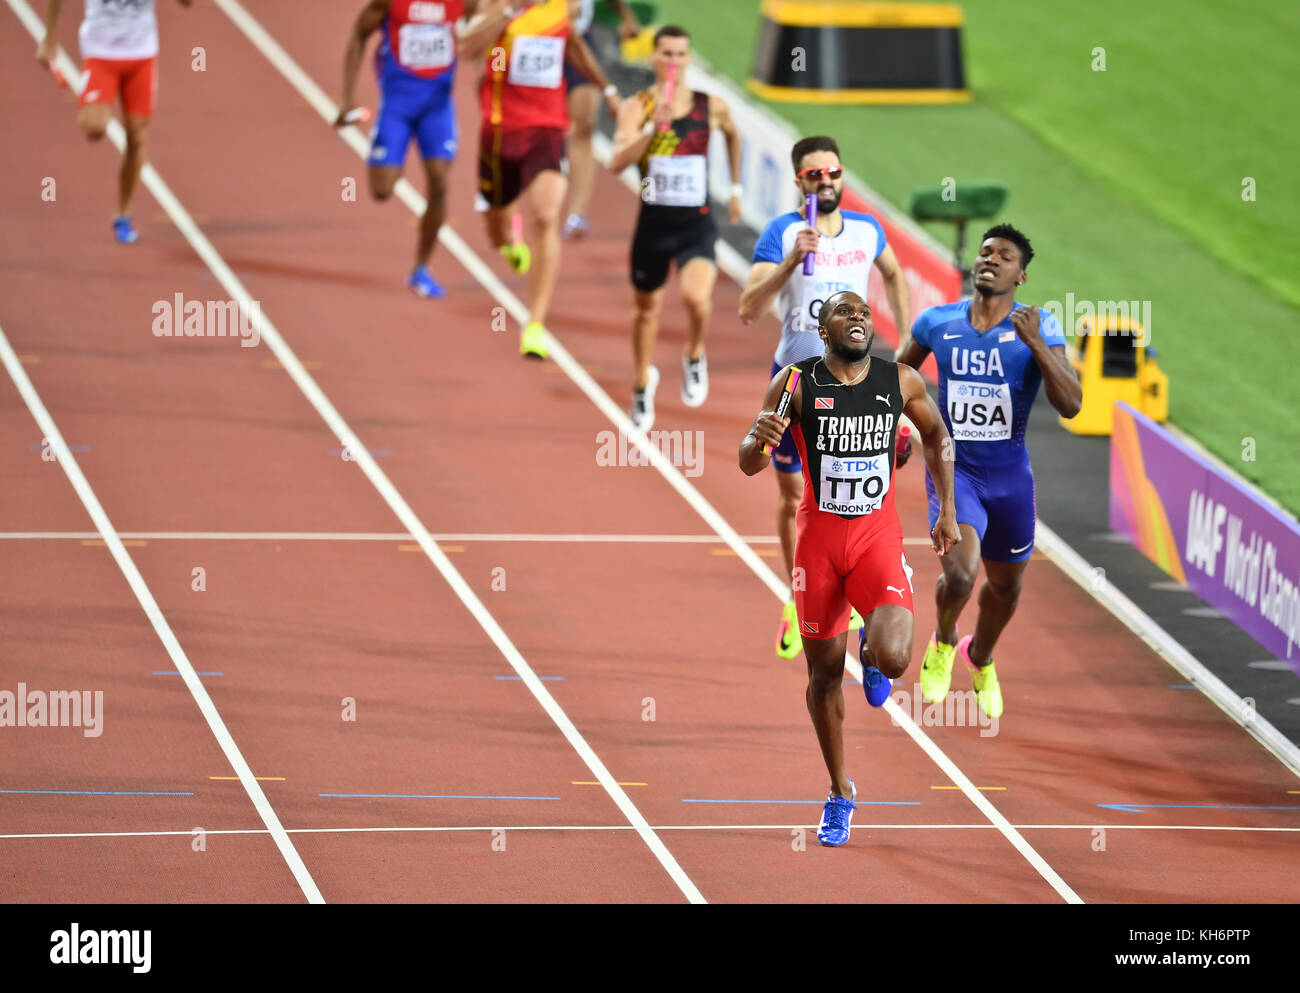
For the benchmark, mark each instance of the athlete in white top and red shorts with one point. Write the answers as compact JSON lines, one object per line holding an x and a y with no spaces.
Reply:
{"x":119,"y":53}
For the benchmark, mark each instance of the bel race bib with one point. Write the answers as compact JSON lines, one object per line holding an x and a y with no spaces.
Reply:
{"x":679,"y":180}
{"x":979,"y":411}
{"x":536,"y":61}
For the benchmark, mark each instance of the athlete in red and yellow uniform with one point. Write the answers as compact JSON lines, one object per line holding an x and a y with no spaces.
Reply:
{"x":522,"y":144}
{"x":119,"y":52}
{"x":849,"y":550}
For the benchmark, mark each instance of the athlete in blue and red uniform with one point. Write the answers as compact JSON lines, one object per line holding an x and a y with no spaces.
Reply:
{"x":416,"y":65}
{"x":844,"y":415}
{"x":992,"y":354}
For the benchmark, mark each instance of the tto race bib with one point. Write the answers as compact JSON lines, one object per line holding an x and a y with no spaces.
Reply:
{"x":679,"y":181}
{"x":853,"y":486}
{"x":979,"y":411}
{"x":537,"y":61}
{"x":425,"y":46}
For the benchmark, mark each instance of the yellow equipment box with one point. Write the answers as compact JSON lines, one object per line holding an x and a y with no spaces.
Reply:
{"x":1114,"y":363}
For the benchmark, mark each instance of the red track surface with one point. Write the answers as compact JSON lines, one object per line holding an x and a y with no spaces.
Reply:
{"x":201,"y":435}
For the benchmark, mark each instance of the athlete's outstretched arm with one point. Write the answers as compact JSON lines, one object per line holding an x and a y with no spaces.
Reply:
{"x":579,"y":55}
{"x":910,"y":351}
{"x":939,"y":454}
{"x":632,"y":133}
{"x":368,"y":21}
{"x":767,"y":428}
{"x":767,"y":278}
{"x":46,"y":49}
{"x":1060,"y":381}
{"x":482,"y":29}
{"x":896,"y":291}
{"x":720,"y":118}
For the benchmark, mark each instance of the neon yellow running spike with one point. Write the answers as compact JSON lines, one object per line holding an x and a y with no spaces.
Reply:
{"x":518,"y":256}
{"x":532,"y":343}
{"x":855,"y":619}
{"x":988,"y":693}
{"x":788,"y":642}
{"x":936,"y":670}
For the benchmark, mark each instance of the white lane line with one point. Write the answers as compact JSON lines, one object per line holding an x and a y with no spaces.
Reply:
{"x":366,"y":463}
{"x":328,"y":112}
{"x":1159,"y":640}
{"x":657,"y":827}
{"x":150,"y":606}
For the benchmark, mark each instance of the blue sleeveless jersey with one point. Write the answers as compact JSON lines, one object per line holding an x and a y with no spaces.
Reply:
{"x":987,"y":381}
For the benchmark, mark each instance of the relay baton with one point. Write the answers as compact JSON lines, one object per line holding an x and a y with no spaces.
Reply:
{"x":810,"y":214}
{"x":904,"y":441}
{"x":782,"y":405}
{"x":670,"y":88}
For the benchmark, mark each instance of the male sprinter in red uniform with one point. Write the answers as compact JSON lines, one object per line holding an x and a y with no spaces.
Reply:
{"x":522,"y":144}
{"x":119,"y":53}
{"x":416,"y":65}
{"x":844,"y":414}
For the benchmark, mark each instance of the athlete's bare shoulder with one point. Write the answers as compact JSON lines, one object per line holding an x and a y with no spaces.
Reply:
{"x":910,"y":382}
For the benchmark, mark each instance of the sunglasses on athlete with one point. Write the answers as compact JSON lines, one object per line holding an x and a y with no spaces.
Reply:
{"x":833,"y":173}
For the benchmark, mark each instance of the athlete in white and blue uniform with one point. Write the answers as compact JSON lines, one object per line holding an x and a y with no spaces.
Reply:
{"x":846,"y":245}
{"x":415,"y":65}
{"x":992,"y":354}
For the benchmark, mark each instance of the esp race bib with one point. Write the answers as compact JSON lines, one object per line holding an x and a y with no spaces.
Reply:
{"x":679,"y":180}
{"x":853,"y":486}
{"x":979,"y":411}
{"x":425,"y":46}
{"x":536,"y":61}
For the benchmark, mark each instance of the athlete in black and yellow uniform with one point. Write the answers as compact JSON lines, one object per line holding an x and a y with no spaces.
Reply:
{"x":674,"y":224}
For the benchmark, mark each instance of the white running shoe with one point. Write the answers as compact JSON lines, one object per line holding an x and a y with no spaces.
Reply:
{"x":695,"y":380}
{"x":643,"y":403}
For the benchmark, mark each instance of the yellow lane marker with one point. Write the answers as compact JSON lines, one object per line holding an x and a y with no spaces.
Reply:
{"x":29,"y":359}
{"x":763,"y":553}
{"x":583,"y":783}
{"x":100,"y":543}
{"x":977,"y":787}
{"x":260,"y":779}
{"x":417,"y":548}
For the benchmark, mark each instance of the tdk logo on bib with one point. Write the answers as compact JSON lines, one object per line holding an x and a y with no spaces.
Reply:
{"x":853,"y":486}
{"x":979,"y":411}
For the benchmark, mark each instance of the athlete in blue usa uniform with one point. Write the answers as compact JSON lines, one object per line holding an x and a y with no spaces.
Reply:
{"x":993,"y":354}
{"x":846,"y":246}
{"x":415,"y":64}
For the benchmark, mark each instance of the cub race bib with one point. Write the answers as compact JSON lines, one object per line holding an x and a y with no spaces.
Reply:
{"x":425,"y":46}
{"x":679,"y":181}
{"x":853,"y":486}
{"x":536,"y":61}
{"x":979,"y":411}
